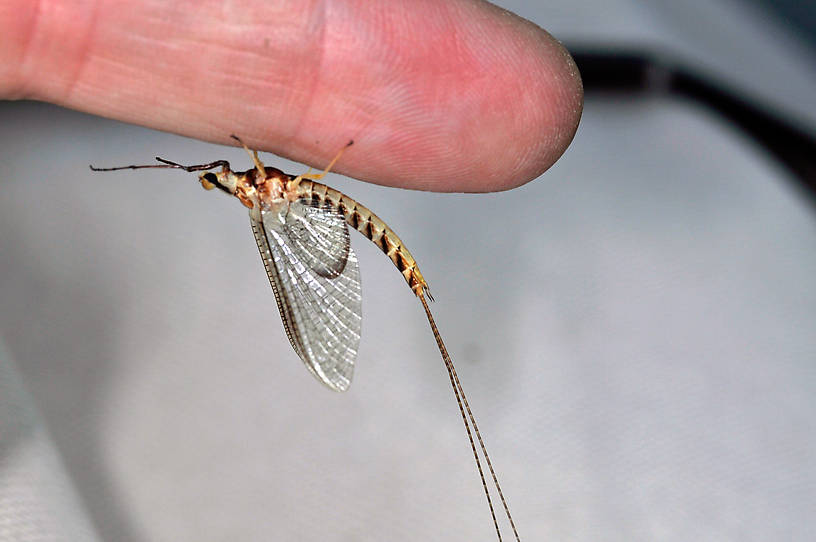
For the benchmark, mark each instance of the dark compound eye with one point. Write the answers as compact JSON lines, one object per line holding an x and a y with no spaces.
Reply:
{"x":210,"y":178}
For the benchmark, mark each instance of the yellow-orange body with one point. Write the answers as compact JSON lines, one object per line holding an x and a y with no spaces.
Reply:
{"x":261,"y":193}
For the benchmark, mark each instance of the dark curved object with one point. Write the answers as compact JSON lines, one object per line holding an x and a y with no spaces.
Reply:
{"x":641,"y":72}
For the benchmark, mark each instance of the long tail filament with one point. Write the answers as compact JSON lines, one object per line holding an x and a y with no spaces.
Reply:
{"x":470,"y":426}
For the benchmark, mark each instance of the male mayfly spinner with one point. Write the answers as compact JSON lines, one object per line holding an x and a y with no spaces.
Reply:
{"x":301,"y":228}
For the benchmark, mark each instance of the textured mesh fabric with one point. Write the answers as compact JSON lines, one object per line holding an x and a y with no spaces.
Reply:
{"x":37,"y":498}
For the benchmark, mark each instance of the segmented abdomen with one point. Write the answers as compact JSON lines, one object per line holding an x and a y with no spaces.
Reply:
{"x":360,"y":218}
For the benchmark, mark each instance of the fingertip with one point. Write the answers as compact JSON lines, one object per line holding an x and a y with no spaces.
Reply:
{"x":486,"y":103}
{"x":552,"y":107}
{"x":541,"y":97}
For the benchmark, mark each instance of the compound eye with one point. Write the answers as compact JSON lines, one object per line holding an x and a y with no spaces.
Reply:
{"x":208,"y":180}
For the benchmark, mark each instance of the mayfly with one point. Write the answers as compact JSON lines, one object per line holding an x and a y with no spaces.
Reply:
{"x":301,"y":228}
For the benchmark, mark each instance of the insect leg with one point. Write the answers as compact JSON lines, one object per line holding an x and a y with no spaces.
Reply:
{"x":253,"y":154}
{"x":293,"y":184}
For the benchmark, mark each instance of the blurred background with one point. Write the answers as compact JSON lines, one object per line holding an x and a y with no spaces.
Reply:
{"x":635,"y":329}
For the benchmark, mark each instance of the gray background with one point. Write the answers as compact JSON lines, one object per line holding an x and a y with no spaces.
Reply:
{"x":635,"y":330}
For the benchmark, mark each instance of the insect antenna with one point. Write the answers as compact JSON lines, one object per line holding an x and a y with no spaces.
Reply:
{"x":167,"y":164}
{"x":470,"y":421}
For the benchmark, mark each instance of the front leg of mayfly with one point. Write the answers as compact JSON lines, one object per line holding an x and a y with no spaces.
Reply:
{"x":301,"y":228}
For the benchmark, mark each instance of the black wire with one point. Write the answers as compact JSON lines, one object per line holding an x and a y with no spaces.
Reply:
{"x":641,"y":72}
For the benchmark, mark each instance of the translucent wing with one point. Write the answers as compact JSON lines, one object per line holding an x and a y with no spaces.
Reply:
{"x":319,"y":237}
{"x":320,"y":305}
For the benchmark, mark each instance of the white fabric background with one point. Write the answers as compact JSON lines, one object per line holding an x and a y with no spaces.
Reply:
{"x":634,"y":329}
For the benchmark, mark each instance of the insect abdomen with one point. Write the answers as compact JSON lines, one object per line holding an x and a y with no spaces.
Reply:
{"x":360,"y":218}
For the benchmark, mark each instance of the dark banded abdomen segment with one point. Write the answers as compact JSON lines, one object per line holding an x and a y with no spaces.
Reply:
{"x":360,"y":218}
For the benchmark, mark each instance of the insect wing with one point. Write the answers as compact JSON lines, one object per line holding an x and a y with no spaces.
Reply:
{"x":321,"y":314}
{"x":319,"y":237}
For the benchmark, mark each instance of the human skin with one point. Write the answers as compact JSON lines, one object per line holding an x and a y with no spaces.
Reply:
{"x":457,"y":95}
